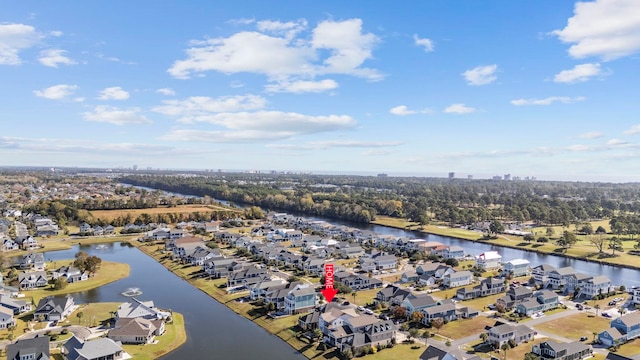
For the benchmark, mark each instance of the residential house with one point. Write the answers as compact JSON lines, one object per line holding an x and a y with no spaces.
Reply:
{"x":222,"y":267}
{"x":385,"y":262}
{"x":27,"y":242}
{"x":409,"y":277}
{"x":6,"y":318}
{"x":109,"y":230}
{"x":54,"y":308}
{"x":136,"y":330}
{"x":542,"y":300}
{"x":200,"y":254}
{"x":514,"y":296}
{"x":445,"y":309}
{"x":554,"y":350}
{"x":352,"y":252}
{"x":9,"y":245}
{"x":435,"y":353}
{"x":635,"y":295}
{"x":488,"y":286}
{"x":36,"y":348}
{"x":33,"y":261}
{"x":140,"y":309}
{"x":541,"y":273}
{"x":557,"y":279}
{"x":98,"y":349}
{"x":458,"y":278}
{"x":488,"y":260}
{"x":17,"y":306}
{"x":345,"y":329}
{"x":32,"y":280}
{"x":47,"y":230}
{"x":595,"y":286}
{"x":627,"y":325}
{"x":517,"y":267}
{"x":98,"y":230}
{"x":419,"y":302}
{"x":301,"y":298}
{"x":454,"y":252}
{"x":259,"y":290}
{"x":310,"y":320}
{"x":357,"y":282}
{"x":246,"y":277}
{"x":392,"y":295}
{"x":501,"y":333}
{"x":72,"y":274}
{"x":367,"y":264}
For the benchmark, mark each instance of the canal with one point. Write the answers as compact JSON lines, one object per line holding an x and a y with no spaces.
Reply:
{"x":213,"y":331}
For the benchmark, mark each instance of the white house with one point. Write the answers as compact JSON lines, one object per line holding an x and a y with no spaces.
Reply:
{"x":517,"y":267}
{"x":458,"y":278}
{"x":489,"y":260}
{"x":635,"y":295}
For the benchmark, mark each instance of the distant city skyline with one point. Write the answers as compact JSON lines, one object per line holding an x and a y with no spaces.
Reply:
{"x":406,"y":89}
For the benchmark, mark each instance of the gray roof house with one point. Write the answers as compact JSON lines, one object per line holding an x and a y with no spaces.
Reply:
{"x":102,"y":348}
{"x":552,"y":349}
{"x":54,"y":309}
{"x":501,"y":333}
{"x":435,"y":353}
{"x":32,"y":349}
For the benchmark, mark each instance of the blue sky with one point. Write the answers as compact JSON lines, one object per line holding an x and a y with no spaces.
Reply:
{"x":531,"y":88}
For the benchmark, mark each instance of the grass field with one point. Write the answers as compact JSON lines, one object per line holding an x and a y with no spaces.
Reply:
{"x":465,"y":327}
{"x":109,"y":215}
{"x":93,"y":314}
{"x":631,"y":348}
{"x":575,"y":326}
{"x":108,"y":273}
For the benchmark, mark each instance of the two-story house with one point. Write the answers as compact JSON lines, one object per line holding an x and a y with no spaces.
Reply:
{"x":501,"y":333}
{"x":488,"y":260}
{"x":554,"y":350}
{"x":458,"y":278}
{"x":628,"y":326}
{"x":517,"y":267}
{"x":300,"y":299}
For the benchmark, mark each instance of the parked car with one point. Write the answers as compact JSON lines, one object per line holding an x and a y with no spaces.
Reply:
{"x":584,"y":338}
{"x":606,"y":315}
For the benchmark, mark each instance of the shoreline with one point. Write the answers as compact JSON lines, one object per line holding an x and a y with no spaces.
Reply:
{"x":227,"y":300}
{"x":523,"y":248}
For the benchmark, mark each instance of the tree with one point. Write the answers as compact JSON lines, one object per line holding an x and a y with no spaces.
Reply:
{"x":586,"y":229}
{"x":550,"y":231}
{"x":567,"y":240}
{"x":496,"y":227}
{"x":506,"y":346}
{"x":399,"y":312}
{"x":615,"y":244}
{"x":529,"y":238}
{"x":81,"y":260}
{"x":417,"y":317}
{"x":60,"y":283}
{"x":79,"y":315}
{"x":413,"y":332}
{"x":597,"y":307}
{"x":484,"y":337}
{"x":92,"y":264}
{"x":598,"y":240}
{"x":601,"y":230}
{"x":437,"y":323}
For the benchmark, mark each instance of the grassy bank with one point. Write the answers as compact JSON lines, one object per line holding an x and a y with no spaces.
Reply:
{"x":174,"y":336}
{"x":108,"y":273}
{"x":583,"y":249}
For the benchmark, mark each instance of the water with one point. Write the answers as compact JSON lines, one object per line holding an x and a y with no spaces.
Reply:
{"x":213,"y":331}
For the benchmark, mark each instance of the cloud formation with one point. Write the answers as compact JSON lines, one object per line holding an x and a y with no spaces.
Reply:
{"x":579,"y":73}
{"x":113,"y":93}
{"x":403,"y":110}
{"x":15,"y":38}
{"x":55,"y":57}
{"x":116,"y":116}
{"x":56,"y":92}
{"x":459,"y":109}
{"x":547,"y":101}
{"x":196,"y":106}
{"x":280,"y":52}
{"x":166,"y":91}
{"x":425,"y":43}
{"x":591,"y":135}
{"x":481,"y":75}
{"x":323,"y":145}
{"x":302,"y":86}
{"x":608,"y":29}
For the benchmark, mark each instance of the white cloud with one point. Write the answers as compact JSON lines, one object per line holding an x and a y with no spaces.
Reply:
{"x":605,"y":28}
{"x":635,"y":129}
{"x":243,"y":136}
{"x":112,"y":115}
{"x":113,"y":93}
{"x":547,"y":101}
{"x":56,"y":92}
{"x":591,"y":135}
{"x":425,"y":43}
{"x":401,"y":110}
{"x":166,"y":91}
{"x":276,"y":121}
{"x":459,"y":109}
{"x":284,"y":57}
{"x":481,"y":75}
{"x":323,"y":145}
{"x":55,"y":57}
{"x":579,"y":73}
{"x":302,"y":86}
{"x":56,"y":33}
{"x":13,"y":39}
{"x":202,"y":105}
{"x":616,"y":142}
{"x":236,"y":84}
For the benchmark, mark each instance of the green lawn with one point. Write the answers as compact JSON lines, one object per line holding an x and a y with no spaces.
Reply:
{"x":174,"y":336}
{"x":108,"y":272}
{"x":464,"y":327}
{"x":400,"y":351}
{"x":93,"y":314}
{"x":575,"y":326}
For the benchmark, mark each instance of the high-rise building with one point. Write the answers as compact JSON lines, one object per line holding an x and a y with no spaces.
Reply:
{"x":452,"y":175}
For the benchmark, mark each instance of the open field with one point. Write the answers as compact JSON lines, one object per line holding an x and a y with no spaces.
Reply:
{"x":108,"y":272}
{"x":575,"y":326}
{"x":464,"y":327}
{"x":631,"y":348}
{"x":109,"y":215}
{"x":400,"y":351}
{"x":93,"y":314}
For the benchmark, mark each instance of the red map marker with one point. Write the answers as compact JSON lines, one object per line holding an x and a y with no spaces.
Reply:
{"x":329,"y":292}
